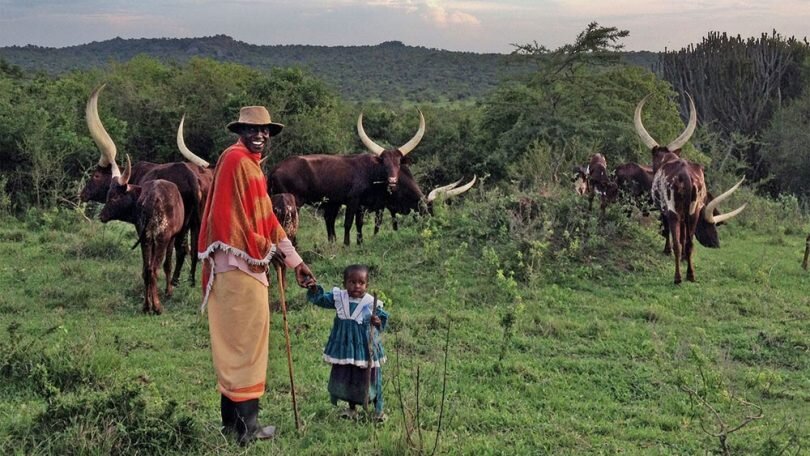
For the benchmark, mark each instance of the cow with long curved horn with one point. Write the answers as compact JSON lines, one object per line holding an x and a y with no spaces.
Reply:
{"x":332,"y":181}
{"x":156,"y":209}
{"x":183,"y":175}
{"x":409,"y":198}
{"x":679,"y":190}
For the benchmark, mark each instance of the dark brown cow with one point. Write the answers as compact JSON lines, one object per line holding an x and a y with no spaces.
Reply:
{"x":185,"y":176}
{"x":634,"y":183}
{"x":409,"y":197}
{"x":156,"y":208}
{"x":679,"y":190}
{"x":806,"y":252}
{"x":332,"y":181}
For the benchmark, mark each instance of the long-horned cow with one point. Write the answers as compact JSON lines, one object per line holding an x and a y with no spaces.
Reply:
{"x":679,"y":190}
{"x":408,"y":197}
{"x":337,"y":180}
{"x":156,"y":209}
{"x":186,"y":176}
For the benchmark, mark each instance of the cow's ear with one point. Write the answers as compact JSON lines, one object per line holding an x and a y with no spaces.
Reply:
{"x":406,"y":160}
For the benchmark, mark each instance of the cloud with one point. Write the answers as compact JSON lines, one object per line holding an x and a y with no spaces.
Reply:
{"x":443,"y":17}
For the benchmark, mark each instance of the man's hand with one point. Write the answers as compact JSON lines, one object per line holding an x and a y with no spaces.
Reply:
{"x":304,"y":276}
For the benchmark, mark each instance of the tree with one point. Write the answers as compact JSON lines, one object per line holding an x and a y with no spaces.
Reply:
{"x":738,"y":84}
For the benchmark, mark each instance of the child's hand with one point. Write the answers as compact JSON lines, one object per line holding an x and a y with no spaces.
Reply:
{"x":375,"y":320}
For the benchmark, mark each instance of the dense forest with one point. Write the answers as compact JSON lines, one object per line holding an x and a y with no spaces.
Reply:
{"x":390,"y":71}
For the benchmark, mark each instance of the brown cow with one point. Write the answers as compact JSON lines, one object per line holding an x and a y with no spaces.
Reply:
{"x":157,"y":208}
{"x":336,"y":180}
{"x":634,"y":183}
{"x":184,"y":175}
{"x":599,"y":183}
{"x":679,"y":190}
{"x":806,"y":252}
{"x":287,"y":214}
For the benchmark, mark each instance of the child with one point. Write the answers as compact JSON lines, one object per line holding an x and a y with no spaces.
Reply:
{"x":347,"y":348}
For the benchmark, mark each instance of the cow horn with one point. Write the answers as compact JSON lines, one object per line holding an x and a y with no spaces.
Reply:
{"x":410,"y":145}
{"x":640,"y":130}
{"x":690,"y":127}
{"x":462,"y":189}
{"x":123,"y":179}
{"x":181,"y":144}
{"x":444,"y":188}
{"x":373,"y":147}
{"x":102,"y":139}
{"x":712,"y":205}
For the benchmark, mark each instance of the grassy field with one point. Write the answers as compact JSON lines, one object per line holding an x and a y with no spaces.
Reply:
{"x":603,"y":356}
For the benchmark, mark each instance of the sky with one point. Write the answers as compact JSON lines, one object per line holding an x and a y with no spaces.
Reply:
{"x":458,"y":25}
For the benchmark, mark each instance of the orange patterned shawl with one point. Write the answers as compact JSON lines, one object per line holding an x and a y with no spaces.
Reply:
{"x":238,"y":216}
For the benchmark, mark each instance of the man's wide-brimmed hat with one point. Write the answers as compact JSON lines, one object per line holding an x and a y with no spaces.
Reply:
{"x":255,"y":115}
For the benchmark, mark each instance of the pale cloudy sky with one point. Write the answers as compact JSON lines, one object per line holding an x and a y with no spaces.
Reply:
{"x":458,"y":25}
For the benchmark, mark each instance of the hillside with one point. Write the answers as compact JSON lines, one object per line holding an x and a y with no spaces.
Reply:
{"x":390,"y":71}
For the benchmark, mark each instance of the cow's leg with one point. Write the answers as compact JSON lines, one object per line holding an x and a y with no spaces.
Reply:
{"x":591,"y":194}
{"x":180,"y":246}
{"x":358,"y":220}
{"x":195,"y":235}
{"x":330,"y":212}
{"x":689,"y":246}
{"x":675,"y":232}
{"x":394,"y":219}
{"x":665,"y":231}
{"x":378,"y":220}
{"x":167,"y":266}
{"x":348,"y":220}
{"x":158,"y":254}
{"x":146,"y":259}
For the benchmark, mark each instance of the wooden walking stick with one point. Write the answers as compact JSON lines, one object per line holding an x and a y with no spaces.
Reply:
{"x":289,"y":350}
{"x":370,"y":353}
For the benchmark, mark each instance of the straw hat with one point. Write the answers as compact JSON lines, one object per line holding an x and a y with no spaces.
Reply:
{"x":255,"y":115}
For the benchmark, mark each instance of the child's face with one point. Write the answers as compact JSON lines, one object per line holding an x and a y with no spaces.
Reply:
{"x":356,"y":283}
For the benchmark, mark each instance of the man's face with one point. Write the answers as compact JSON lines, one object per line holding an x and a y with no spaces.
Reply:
{"x":255,"y":137}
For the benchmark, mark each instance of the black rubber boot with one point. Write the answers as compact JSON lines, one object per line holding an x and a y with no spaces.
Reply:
{"x":227,"y":408}
{"x":247,"y":423}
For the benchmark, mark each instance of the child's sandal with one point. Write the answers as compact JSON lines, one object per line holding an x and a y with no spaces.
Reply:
{"x":380,"y":417}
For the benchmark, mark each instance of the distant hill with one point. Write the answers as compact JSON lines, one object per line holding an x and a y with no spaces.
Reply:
{"x":390,"y":71}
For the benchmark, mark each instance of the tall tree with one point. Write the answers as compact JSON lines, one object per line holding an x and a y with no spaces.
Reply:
{"x":738,"y":83}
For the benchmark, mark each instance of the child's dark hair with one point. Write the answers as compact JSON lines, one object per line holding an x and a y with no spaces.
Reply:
{"x":354,"y":268}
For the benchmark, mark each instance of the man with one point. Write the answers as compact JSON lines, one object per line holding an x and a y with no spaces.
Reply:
{"x":239,"y":238}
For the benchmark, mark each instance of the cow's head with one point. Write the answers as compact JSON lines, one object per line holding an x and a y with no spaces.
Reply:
{"x":711,"y":218}
{"x":579,"y":176}
{"x":391,"y":159}
{"x":121,"y":197}
{"x":95,"y":189}
{"x":448,"y":191}
{"x":663,"y":154}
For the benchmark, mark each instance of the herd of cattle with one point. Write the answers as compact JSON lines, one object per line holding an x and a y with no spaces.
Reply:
{"x":673,"y":185}
{"x":165,"y":201}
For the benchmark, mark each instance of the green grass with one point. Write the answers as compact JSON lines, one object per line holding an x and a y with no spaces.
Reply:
{"x":578,"y":356}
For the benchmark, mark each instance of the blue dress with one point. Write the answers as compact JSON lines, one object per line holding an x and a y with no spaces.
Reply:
{"x":347,"y":347}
